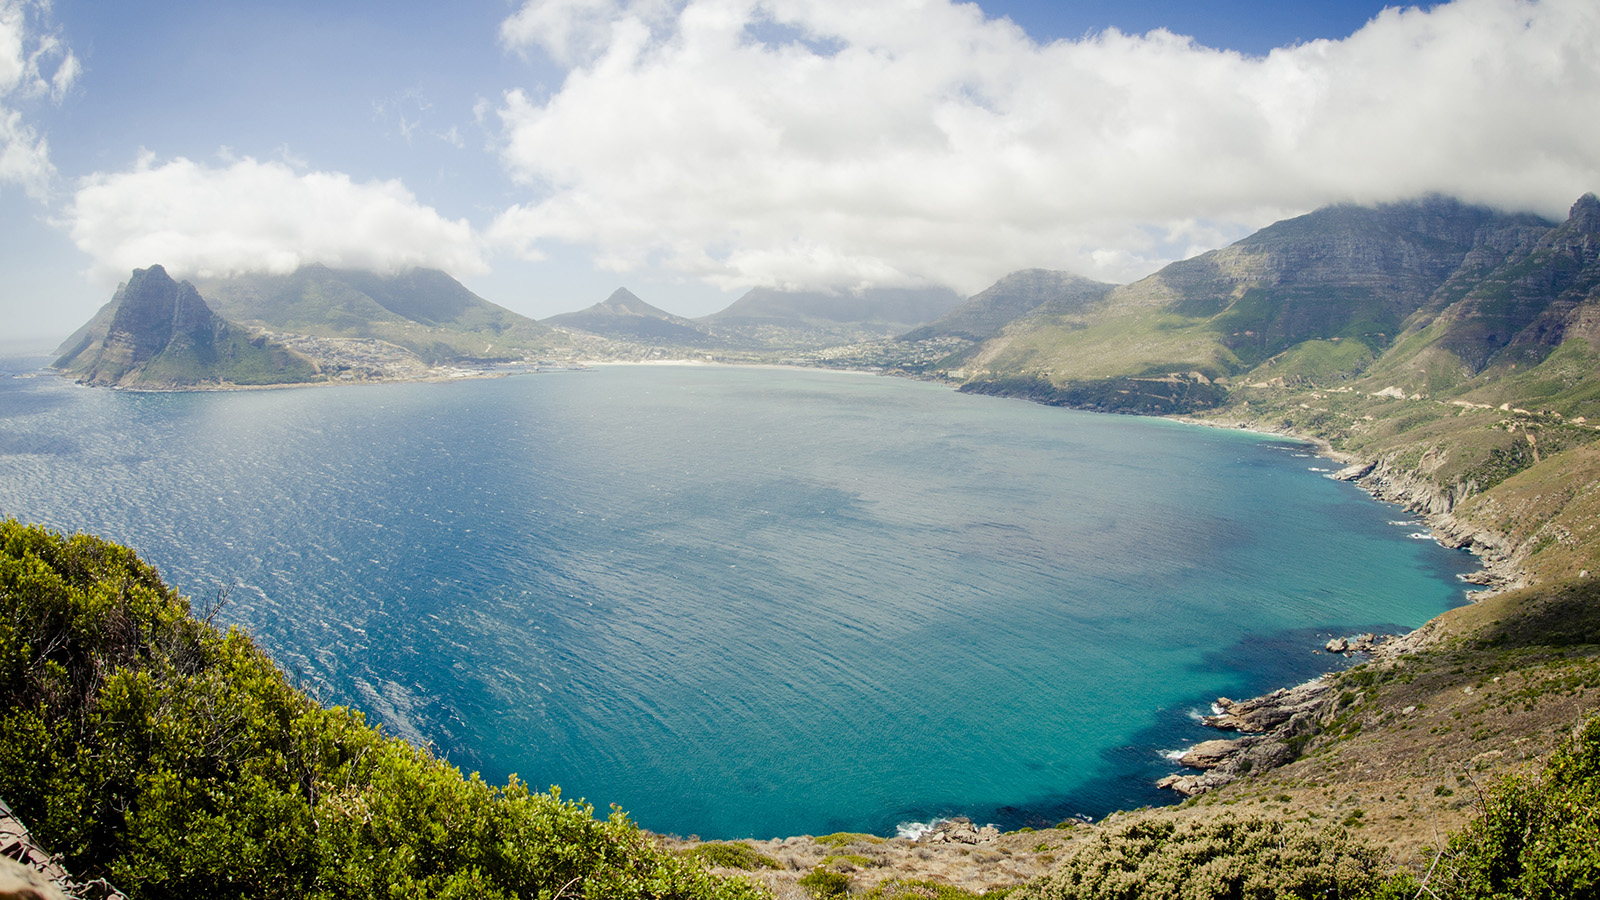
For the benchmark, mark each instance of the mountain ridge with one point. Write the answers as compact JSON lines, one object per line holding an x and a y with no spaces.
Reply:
{"x":426,"y":311}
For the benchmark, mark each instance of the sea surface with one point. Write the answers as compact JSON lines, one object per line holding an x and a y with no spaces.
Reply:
{"x":742,"y":602}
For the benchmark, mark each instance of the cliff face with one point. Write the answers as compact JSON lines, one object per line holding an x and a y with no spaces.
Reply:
{"x":159,"y":333}
{"x":1524,"y":307}
{"x":1324,"y":293}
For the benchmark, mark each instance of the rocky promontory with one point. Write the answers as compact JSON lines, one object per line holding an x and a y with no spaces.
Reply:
{"x":159,"y":333}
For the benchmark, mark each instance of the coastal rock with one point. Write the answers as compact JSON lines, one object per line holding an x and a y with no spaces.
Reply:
{"x":1337,"y":645}
{"x":1264,"y":713}
{"x":959,"y":830}
{"x":1409,"y":487}
{"x":1186,"y":785}
{"x":1267,"y":725}
{"x":1209,"y":754}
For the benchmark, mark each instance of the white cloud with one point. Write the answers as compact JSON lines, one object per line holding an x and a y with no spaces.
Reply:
{"x":34,"y":64}
{"x":247,"y":215}
{"x":810,"y":142}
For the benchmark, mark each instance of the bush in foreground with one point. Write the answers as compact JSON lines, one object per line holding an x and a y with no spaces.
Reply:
{"x":1538,"y":838}
{"x":1217,"y":859}
{"x":149,"y":749}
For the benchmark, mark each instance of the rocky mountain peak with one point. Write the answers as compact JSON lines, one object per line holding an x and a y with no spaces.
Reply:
{"x":152,"y":308}
{"x":1585,"y":214}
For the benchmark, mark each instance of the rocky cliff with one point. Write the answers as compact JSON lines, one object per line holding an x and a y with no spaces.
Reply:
{"x":159,"y":333}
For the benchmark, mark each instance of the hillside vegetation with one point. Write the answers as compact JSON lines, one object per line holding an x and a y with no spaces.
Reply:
{"x":147,"y":748}
{"x":425,"y":311}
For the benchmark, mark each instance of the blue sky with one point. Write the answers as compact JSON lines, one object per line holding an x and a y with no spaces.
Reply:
{"x":549,"y":151}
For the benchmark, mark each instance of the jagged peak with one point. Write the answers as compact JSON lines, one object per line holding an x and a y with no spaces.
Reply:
{"x":1586,"y":212}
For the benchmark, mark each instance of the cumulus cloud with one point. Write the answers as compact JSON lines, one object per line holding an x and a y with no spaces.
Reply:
{"x":834,"y":142}
{"x":35,"y":64}
{"x":247,"y":215}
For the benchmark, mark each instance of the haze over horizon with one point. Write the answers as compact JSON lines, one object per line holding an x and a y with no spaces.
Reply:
{"x":546,"y":152}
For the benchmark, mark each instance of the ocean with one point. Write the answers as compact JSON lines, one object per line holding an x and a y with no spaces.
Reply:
{"x":742,"y":602}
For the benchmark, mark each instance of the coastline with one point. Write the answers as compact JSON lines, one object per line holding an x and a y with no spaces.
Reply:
{"x":1269,"y":727}
{"x":1389,"y":484}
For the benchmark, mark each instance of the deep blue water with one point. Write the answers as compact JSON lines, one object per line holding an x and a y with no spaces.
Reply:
{"x":736,"y":601}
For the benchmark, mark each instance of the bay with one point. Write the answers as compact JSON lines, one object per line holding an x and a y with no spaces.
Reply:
{"x":742,"y":601}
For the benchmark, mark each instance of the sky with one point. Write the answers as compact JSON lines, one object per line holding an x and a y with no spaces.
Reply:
{"x":546,"y":152}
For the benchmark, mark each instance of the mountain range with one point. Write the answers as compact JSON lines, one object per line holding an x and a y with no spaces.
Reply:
{"x":1448,"y":353}
{"x":766,"y":320}
{"x":1433,"y":295}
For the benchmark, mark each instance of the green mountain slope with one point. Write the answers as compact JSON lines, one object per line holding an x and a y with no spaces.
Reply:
{"x":1507,"y":322}
{"x":159,"y":333}
{"x":1322,"y":294}
{"x":423,"y":310}
{"x":1010,"y":298}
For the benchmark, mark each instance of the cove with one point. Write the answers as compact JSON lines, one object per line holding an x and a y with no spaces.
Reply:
{"x":741,"y":601}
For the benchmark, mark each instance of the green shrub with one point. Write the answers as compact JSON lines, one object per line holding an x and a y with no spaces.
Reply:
{"x":733,"y":855}
{"x":1218,"y":859}
{"x":823,"y":884}
{"x":842,"y":838}
{"x":177,"y":762}
{"x":920,"y":889}
{"x":1538,"y":837}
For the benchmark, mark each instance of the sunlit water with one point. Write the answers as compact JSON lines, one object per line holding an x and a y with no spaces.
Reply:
{"x":736,"y":601}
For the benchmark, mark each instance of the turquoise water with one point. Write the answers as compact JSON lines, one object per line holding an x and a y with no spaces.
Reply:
{"x":737,"y":601}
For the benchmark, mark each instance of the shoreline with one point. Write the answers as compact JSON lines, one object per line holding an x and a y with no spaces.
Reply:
{"x":1267,"y":726}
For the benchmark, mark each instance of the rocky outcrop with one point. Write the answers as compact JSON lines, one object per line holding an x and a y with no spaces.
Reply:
{"x":1273,"y":727}
{"x":959,"y":830}
{"x":1268,"y":725}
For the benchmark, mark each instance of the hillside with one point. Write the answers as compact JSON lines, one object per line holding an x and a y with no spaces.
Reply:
{"x":625,"y":317}
{"x":1320,"y":295}
{"x":424,"y":311}
{"x":146,"y":748}
{"x":159,"y":333}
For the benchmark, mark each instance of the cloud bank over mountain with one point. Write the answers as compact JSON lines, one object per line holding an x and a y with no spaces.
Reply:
{"x":827,"y":142}
{"x":253,"y":216}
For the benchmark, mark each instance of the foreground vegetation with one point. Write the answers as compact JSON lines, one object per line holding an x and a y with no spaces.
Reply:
{"x":147,"y":748}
